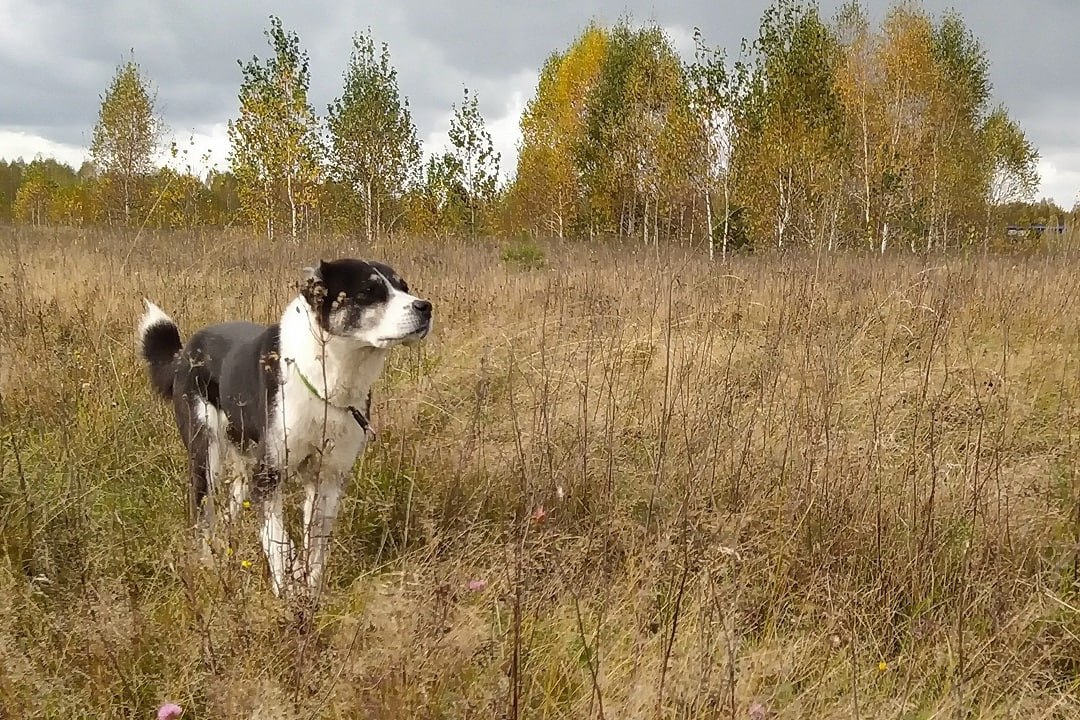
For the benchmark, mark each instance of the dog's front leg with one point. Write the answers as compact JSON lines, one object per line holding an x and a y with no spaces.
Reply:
{"x":322,"y":499}
{"x":275,"y":541}
{"x":237,"y":496}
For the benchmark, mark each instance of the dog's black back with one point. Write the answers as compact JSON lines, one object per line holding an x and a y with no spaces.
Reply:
{"x":233,"y":366}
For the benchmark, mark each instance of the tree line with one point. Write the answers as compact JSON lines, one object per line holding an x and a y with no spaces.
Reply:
{"x":819,"y":132}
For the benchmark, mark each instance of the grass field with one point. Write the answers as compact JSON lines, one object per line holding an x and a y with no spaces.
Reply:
{"x":614,"y":484}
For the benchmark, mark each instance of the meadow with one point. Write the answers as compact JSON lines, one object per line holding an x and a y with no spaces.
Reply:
{"x":615,"y":482}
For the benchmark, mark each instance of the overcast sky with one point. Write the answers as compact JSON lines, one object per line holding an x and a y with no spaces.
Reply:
{"x":58,"y":56}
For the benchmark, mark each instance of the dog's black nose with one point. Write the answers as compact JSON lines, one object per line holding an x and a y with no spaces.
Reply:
{"x":423,"y":307}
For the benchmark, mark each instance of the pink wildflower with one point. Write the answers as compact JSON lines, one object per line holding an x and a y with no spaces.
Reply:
{"x":477,"y":585}
{"x":169,"y":711}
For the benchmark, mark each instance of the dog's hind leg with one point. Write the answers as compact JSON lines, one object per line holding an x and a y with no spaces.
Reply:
{"x":238,"y":469}
{"x":202,"y":501}
{"x":216,"y":446}
{"x":191,"y":420}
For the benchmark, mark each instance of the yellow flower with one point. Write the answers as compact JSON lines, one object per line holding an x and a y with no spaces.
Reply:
{"x":883,"y":666}
{"x":247,"y":504}
{"x":228,"y":551}
{"x":245,"y":564}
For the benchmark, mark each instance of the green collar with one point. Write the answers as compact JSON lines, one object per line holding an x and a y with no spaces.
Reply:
{"x":358,"y":416}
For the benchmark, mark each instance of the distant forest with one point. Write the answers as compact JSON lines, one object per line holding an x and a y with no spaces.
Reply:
{"x":826,"y":132}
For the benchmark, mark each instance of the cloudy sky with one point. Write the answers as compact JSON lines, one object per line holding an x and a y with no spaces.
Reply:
{"x":57,"y":57}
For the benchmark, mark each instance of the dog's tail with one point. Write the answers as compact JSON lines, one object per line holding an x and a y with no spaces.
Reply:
{"x":159,"y":343}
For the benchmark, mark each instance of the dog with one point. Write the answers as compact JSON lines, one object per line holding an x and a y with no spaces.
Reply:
{"x":290,"y":399}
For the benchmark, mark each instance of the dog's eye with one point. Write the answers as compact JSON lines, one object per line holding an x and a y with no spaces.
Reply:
{"x":371,"y":289}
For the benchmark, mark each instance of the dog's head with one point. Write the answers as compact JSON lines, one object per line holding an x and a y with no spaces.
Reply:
{"x":367,"y":302}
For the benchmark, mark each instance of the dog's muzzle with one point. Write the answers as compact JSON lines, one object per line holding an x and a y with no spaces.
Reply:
{"x":422,"y":308}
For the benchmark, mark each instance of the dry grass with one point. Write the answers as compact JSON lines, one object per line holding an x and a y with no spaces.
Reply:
{"x":801,"y":487}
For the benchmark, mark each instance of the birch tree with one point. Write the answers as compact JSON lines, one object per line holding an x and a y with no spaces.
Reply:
{"x":638,"y":144}
{"x":548,"y":191}
{"x":714,"y":96}
{"x":475,"y":163}
{"x":789,"y":126}
{"x":1011,"y":165}
{"x":963,"y":92}
{"x":276,"y":154}
{"x":127,"y":135}
{"x":373,"y":145}
{"x":34,"y":196}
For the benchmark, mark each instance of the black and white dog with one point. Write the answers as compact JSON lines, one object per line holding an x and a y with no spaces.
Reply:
{"x":269,"y":402}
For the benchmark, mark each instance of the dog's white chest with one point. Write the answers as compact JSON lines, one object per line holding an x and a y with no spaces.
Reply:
{"x":312,"y":429}
{"x":321,"y":378}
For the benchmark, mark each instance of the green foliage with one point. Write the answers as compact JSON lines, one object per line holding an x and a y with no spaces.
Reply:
{"x":523,"y":254}
{"x":965,"y":70}
{"x":374,"y":150}
{"x":10,"y":179}
{"x":1012,"y":159}
{"x":440,"y":204}
{"x":49,"y":192}
{"x":790,"y":70}
{"x":275,"y":150}
{"x":640,"y":141}
{"x":127,"y":134}
{"x":788,"y":125}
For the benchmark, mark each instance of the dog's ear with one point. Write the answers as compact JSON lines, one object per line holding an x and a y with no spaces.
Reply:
{"x":314,"y":273}
{"x":313,"y":288}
